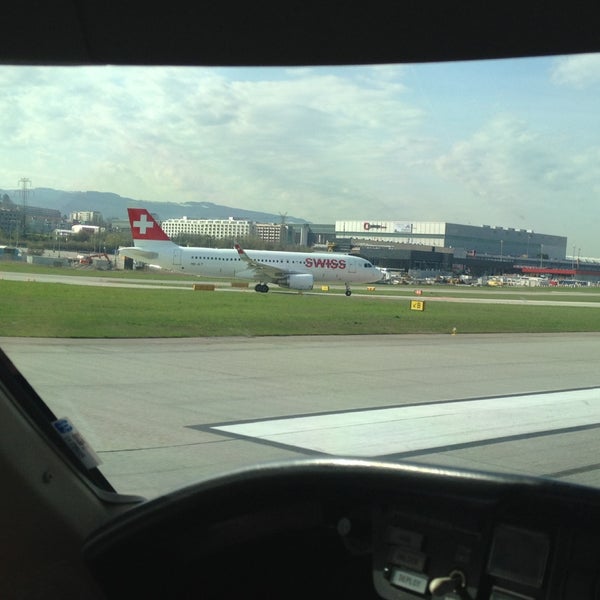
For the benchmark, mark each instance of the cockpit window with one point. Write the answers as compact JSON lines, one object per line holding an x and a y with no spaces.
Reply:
{"x":468,"y":189}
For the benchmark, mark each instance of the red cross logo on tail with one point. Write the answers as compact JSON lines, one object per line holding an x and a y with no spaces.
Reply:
{"x":144,"y":226}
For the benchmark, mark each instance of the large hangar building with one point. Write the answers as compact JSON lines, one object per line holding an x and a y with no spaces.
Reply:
{"x":464,"y":240}
{"x":422,"y":247}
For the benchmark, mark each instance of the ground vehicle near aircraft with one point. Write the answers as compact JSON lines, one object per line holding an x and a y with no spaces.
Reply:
{"x":88,"y":259}
{"x":320,"y":528}
{"x":294,"y":270}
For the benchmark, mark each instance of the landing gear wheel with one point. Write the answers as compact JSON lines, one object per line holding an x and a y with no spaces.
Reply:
{"x":348,"y":292}
{"x":261,"y":287}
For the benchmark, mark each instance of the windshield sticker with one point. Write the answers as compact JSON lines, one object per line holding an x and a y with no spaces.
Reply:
{"x":77,"y":443}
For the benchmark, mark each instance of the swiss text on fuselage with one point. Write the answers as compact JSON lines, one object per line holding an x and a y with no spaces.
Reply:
{"x":328,"y":263}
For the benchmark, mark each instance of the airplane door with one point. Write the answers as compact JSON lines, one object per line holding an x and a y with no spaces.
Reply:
{"x":351,"y":265}
{"x":177,"y":257}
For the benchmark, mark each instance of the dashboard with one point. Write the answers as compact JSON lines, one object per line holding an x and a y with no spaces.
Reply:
{"x":346,"y":528}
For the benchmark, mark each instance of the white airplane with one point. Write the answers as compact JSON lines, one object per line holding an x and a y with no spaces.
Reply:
{"x":294,"y":270}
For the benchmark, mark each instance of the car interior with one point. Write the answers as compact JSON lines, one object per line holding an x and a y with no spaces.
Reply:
{"x":313,"y":528}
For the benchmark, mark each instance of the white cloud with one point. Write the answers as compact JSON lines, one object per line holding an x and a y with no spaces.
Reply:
{"x":490,"y":163}
{"x":200,"y":134}
{"x":322,"y":144}
{"x":521,"y":177}
{"x":579,"y":70}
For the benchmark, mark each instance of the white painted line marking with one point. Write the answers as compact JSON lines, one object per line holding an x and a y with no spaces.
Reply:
{"x":406,"y":429}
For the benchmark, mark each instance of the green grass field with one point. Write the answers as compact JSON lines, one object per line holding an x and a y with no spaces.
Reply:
{"x":34,"y":309}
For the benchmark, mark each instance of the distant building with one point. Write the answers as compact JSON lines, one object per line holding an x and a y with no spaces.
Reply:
{"x":464,"y":240}
{"x":8,"y":253}
{"x":86,"y":228}
{"x":16,"y":220}
{"x":216,"y":228}
{"x":11,"y":221}
{"x":269,"y":232}
{"x":87,"y":217}
{"x":63,"y":233}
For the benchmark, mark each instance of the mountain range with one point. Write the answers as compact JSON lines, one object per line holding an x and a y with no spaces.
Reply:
{"x":112,"y":206}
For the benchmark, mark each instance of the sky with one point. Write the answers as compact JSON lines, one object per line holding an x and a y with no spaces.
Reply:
{"x":510,"y":143}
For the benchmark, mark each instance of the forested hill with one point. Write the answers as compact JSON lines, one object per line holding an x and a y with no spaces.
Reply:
{"x":113,"y":206}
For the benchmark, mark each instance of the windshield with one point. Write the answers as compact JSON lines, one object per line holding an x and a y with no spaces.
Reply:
{"x":207,"y":268}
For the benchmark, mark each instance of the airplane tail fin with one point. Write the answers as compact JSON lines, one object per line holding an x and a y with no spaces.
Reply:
{"x":145,"y":227}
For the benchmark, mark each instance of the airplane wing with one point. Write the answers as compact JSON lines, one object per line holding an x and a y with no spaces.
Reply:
{"x":138,"y":254}
{"x":263,"y":271}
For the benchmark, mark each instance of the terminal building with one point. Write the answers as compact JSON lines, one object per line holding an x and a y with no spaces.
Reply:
{"x":441,"y":247}
{"x":463,"y":240}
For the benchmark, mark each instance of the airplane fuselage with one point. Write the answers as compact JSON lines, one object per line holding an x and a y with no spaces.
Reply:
{"x":226,"y":263}
{"x":294,"y":270}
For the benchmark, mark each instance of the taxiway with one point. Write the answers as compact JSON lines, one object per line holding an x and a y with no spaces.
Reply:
{"x":163,"y":413}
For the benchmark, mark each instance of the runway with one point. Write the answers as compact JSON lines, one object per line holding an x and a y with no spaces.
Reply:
{"x":168,"y":412}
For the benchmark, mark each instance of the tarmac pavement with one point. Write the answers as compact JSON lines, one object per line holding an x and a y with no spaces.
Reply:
{"x":164,"y":413}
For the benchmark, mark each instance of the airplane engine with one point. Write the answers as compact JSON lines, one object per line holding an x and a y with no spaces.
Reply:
{"x":298,"y":282}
